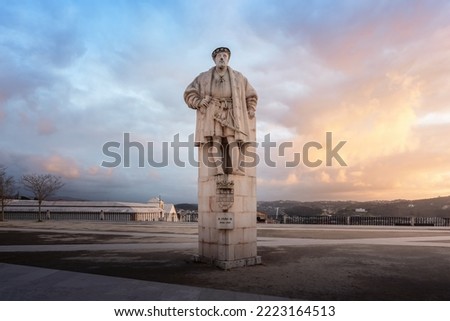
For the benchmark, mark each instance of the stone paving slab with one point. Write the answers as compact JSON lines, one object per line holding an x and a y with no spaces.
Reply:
{"x":427,"y":241}
{"x":97,"y":247}
{"x":24,"y":283}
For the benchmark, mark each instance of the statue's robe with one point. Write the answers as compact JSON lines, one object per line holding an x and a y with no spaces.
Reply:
{"x":244,"y":99}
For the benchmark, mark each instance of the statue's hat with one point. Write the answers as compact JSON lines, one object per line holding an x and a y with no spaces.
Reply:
{"x":220,"y":49}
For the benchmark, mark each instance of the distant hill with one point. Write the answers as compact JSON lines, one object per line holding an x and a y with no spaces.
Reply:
{"x":299,"y":210}
{"x":186,"y":207}
{"x":432,"y":207}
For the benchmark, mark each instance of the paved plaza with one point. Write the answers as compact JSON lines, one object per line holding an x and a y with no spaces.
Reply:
{"x":74,"y":260}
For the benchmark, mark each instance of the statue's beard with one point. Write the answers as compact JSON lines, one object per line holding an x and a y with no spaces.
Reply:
{"x":221,"y":65}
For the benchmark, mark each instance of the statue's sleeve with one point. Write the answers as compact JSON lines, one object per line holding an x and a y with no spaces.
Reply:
{"x":251,"y":96}
{"x":192,"y":95}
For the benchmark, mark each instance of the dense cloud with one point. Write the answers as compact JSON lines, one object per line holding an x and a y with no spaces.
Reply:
{"x":74,"y":76}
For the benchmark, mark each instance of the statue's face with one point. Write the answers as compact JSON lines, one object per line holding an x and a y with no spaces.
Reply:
{"x":221,"y":59}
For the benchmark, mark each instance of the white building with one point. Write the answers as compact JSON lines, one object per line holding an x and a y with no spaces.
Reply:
{"x":170,"y":214}
{"x":154,"y":210}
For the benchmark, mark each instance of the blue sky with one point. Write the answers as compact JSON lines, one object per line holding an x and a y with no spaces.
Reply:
{"x":77,"y":74}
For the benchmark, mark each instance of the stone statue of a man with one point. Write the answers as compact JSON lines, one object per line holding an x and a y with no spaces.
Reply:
{"x":225,"y":103}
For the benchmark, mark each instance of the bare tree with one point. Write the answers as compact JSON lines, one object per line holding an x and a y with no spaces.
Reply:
{"x":7,"y":189}
{"x":42,"y":186}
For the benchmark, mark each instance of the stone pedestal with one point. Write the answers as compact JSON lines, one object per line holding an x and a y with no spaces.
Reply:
{"x":227,"y":217}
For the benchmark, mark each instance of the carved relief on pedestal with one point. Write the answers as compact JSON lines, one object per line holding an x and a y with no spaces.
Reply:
{"x":225,"y":194}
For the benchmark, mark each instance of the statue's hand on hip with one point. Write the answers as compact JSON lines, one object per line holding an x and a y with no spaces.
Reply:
{"x":204,"y":104}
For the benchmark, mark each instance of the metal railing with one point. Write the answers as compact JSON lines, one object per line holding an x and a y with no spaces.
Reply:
{"x":78,"y":216}
{"x":368,"y":220}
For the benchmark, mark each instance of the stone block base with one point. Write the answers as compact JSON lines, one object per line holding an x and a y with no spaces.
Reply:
{"x":227,"y":235}
{"x":227,"y":265}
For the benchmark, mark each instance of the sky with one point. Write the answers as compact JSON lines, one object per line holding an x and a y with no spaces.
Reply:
{"x":374,"y":75}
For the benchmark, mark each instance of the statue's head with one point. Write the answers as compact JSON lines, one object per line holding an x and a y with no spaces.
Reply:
{"x":221,"y":56}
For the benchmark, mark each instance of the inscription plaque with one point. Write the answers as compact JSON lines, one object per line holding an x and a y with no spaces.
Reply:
{"x":225,"y":221}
